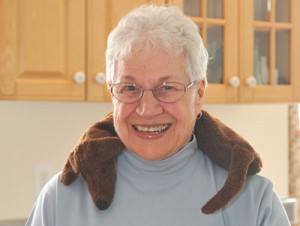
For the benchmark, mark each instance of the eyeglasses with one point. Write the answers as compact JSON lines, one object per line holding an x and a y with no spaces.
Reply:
{"x":167,"y":92}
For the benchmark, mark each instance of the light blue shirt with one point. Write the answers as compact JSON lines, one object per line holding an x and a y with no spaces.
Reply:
{"x":170,"y":192}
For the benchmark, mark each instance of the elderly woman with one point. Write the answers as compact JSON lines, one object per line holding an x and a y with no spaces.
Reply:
{"x":156,"y":72}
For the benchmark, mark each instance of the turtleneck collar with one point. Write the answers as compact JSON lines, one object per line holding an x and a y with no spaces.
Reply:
{"x":172,"y":168}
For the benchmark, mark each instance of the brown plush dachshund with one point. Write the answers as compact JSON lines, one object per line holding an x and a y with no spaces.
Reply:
{"x":95,"y":159}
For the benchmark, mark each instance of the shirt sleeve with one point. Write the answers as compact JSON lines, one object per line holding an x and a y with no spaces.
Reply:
{"x":271,"y":211}
{"x":43,"y":212}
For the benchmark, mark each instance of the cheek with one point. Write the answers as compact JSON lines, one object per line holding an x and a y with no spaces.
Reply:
{"x":190,"y":106}
{"x":121,"y":114}
{"x":188,"y":112}
{"x":184,"y":112}
{"x":118,"y":115}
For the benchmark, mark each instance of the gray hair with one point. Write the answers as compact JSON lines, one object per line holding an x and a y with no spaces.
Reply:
{"x":152,"y":27}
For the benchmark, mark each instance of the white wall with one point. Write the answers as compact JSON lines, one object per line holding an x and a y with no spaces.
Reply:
{"x":43,"y":133}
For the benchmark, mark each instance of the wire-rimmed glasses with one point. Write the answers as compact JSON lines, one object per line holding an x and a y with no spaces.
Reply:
{"x":167,"y":92}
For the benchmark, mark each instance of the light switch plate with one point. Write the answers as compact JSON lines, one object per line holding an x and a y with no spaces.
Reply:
{"x":43,"y":174}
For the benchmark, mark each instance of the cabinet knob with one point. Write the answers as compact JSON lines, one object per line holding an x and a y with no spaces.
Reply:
{"x":234,"y":82}
{"x":79,"y":77}
{"x":100,"y":78}
{"x":251,"y":82}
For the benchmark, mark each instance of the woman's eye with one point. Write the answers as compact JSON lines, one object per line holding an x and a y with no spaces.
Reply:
{"x":168,"y":87}
{"x":129,"y":88}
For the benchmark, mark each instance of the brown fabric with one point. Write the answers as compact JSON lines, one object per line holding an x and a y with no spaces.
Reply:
{"x":95,"y":159}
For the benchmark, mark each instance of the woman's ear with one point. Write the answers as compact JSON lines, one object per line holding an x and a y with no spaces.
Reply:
{"x":201,"y":88}
{"x":201,"y":85}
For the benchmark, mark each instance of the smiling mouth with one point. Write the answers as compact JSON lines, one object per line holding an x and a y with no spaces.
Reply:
{"x":151,"y":129}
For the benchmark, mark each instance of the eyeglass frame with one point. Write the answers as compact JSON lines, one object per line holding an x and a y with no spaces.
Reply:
{"x":153,"y":90}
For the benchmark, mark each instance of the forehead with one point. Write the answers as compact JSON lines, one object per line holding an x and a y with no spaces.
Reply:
{"x":156,"y":66}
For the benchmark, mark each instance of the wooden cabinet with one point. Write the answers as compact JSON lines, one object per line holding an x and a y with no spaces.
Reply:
{"x":55,"y":49}
{"x":254,"y":48}
{"x":42,"y":46}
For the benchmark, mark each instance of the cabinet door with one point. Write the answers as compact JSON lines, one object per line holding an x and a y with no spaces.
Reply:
{"x":41,"y":49}
{"x":218,"y":23}
{"x":103,"y":16}
{"x":269,"y":50}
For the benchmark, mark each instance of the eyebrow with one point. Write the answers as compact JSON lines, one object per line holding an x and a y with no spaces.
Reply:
{"x":127,"y":77}
{"x":132,"y":79}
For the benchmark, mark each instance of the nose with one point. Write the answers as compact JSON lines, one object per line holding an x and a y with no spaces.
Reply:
{"x":149,"y":106}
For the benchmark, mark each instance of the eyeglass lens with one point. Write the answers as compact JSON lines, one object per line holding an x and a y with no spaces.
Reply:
{"x":166,"y":92}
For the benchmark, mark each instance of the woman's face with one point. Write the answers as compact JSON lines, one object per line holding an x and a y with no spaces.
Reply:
{"x":173,"y":123}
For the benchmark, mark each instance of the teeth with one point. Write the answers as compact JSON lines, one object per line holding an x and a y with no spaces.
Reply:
{"x":152,"y":129}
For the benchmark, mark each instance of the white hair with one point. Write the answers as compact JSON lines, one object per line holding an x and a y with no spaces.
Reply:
{"x":149,"y":28}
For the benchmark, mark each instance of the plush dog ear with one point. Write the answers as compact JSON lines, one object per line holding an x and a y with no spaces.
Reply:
{"x":230,"y":151}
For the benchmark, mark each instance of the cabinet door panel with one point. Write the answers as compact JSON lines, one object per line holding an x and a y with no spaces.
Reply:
{"x":267,"y":50}
{"x":42,"y":47}
{"x":215,"y":50}
{"x":103,"y":16}
{"x":261,"y":56}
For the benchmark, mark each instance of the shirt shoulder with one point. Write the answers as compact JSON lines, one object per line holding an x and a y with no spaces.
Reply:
{"x":256,"y":204}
